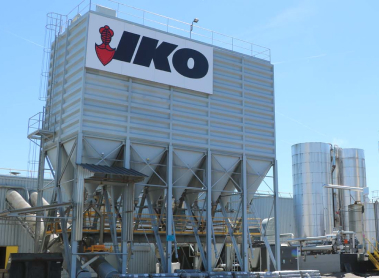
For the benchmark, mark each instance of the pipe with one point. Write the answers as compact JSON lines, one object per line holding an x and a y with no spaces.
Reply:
{"x":103,"y":268}
{"x":344,"y":187}
{"x":58,"y":247}
{"x":18,"y":202}
{"x":308,"y":238}
{"x":33,"y":195}
{"x":317,"y":248}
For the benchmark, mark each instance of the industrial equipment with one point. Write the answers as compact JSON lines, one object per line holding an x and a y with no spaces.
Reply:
{"x":148,"y":134}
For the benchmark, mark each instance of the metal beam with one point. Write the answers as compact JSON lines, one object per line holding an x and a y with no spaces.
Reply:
{"x":169,"y":216}
{"x":245,"y":226}
{"x":263,"y":233}
{"x":231,"y":234}
{"x":276,"y":217}
{"x":112,"y":225}
{"x":156,"y":233}
{"x":195,"y":230}
{"x":209,"y":210}
{"x":32,"y":209}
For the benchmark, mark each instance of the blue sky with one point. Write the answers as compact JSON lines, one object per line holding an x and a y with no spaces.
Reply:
{"x":324,"y":52}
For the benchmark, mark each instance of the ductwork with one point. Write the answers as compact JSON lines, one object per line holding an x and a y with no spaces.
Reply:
{"x":18,"y":202}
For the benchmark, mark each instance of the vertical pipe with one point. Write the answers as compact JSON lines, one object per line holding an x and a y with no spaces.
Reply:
{"x":127,"y":212}
{"x":169,"y":216}
{"x":276,"y":213}
{"x":209,"y":210}
{"x":245,"y":227}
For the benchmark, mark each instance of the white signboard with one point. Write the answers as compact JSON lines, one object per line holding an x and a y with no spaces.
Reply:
{"x":135,"y":51}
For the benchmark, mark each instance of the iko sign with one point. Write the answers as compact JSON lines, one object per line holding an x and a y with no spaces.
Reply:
{"x":135,"y":51}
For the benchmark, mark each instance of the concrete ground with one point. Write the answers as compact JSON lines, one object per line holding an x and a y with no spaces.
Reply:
{"x":349,"y":275}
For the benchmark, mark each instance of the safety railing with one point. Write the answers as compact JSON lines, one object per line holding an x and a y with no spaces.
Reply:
{"x":173,"y":26}
{"x":373,"y":253}
{"x":144,"y":224}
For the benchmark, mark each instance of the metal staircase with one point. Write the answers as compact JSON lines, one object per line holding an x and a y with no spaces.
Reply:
{"x":373,"y":256}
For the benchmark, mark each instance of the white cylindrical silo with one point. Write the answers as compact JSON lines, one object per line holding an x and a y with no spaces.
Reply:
{"x":311,"y":169}
{"x":352,"y":173}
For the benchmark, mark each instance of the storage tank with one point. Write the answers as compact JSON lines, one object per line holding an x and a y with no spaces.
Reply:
{"x":352,"y":173}
{"x":355,"y":223}
{"x":311,"y":164}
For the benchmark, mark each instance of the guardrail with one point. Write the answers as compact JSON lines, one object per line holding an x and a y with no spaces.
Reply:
{"x":173,"y":26}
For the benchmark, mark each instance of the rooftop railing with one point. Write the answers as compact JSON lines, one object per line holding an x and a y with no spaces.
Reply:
{"x":173,"y":26}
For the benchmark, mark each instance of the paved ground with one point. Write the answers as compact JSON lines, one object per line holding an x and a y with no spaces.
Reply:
{"x":349,"y":275}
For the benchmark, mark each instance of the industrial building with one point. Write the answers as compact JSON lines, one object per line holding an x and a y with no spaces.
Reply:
{"x":156,"y":135}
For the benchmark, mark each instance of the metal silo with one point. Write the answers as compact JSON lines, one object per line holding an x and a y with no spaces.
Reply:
{"x":311,"y":164}
{"x":120,"y":103}
{"x":352,"y":173}
{"x":367,"y":226}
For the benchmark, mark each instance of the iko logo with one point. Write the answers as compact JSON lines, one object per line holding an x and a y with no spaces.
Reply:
{"x":103,"y":51}
{"x":186,"y":61}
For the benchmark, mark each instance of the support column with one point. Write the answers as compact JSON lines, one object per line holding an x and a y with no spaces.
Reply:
{"x":127,"y":212}
{"x":209,"y":211}
{"x":156,"y":232}
{"x":245,"y":225}
{"x":276,"y":213}
{"x":39,"y":223}
{"x":127,"y":224}
{"x":169,"y":216}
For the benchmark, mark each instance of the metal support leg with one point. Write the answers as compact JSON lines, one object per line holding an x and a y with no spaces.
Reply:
{"x":231,"y":234}
{"x":156,"y":233}
{"x":195,"y":231}
{"x":66,"y":242}
{"x":112,"y":225}
{"x":245,"y":227}
{"x":41,"y":172}
{"x":209,"y":211}
{"x":74,"y":250}
{"x":276,"y":213}
{"x":169,"y":216}
{"x":127,"y":224}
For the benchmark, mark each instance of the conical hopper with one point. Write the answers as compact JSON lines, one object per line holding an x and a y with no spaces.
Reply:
{"x":220,"y":165}
{"x":116,"y":192}
{"x":95,"y":149}
{"x":182,"y":175}
{"x":156,"y":192}
{"x":139,"y":156}
{"x":68,"y":148}
{"x":90,"y":187}
{"x":53,"y":154}
{"x":256,"y":172}
{"x":230,"y":186}
{"x":192,"y":195}
{"x":67,"y":178}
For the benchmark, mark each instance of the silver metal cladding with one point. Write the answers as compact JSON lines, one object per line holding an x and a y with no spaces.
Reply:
{"x":311,"y":166}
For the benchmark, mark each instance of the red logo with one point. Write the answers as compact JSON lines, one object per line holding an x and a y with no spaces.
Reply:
{"x":103,"y":51}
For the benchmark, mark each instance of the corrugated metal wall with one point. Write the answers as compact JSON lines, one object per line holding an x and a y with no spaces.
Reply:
{"x":238,"y":117}
{"x":11,"y":232}
{"x":143,"y":260}
{"x":263,"y":206}
{"x":68,"y":67}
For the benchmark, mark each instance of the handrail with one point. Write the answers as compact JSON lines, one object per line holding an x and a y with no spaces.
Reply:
{"x":205,"y":35}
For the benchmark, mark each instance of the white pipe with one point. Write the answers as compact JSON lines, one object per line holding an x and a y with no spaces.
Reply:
{"x":317,"y":248}
{"x":344,"y":187}
{"x":18,"y":202}
{"x":34,"y":199}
